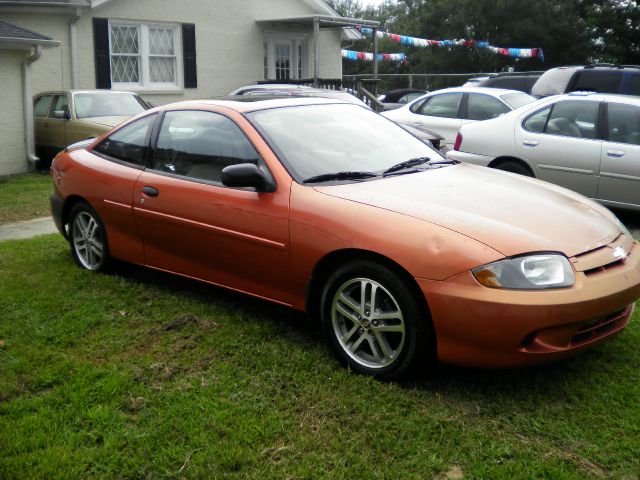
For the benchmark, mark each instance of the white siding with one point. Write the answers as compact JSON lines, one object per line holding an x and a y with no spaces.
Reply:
{"x":12,"y":153}
{"x":52,"y":71}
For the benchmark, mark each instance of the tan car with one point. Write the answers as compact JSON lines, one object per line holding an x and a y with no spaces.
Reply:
{"x":65,"y":117}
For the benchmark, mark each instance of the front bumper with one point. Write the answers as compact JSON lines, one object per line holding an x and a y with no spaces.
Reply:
{"x":57,"y":206}
{"x":474,"y":158}
{"x":484,"y":327}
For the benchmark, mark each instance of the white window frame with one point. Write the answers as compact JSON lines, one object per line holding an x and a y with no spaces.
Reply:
{"x":145,"y":84}
{"x":296,"y":41}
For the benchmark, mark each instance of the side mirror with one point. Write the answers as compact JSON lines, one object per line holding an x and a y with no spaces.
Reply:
{"x":246,"y":175}
{"x":61,"y":114}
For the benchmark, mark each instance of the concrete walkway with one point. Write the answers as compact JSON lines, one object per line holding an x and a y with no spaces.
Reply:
{"x":27,"y":229}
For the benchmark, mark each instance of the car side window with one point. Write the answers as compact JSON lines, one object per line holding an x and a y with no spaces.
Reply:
{"x":634,"y":85}
{"x":200,"y":144}
{"x":573,"y":119}
{"x":535,"y":123}
{"x":483,"y":107}
{"x":60,"y":104}
{"x":130,"y":143}
{"x":446,"y":105}
{"x":41,"y":106}
{"x":591,"y":80}
{"x":623,"y":123}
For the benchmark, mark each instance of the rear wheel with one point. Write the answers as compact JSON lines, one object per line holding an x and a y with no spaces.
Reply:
{"x":88,"y":238}
{"x":514,"y":167}
{"x":373,"y":322}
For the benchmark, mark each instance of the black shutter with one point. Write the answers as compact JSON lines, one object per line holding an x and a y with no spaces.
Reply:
{"x":101,"y":51}
{"x":189,"y":55}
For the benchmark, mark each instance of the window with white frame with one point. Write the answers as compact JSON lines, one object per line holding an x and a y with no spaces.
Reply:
{"x":285,"y":56}
{"x":144,"y":55}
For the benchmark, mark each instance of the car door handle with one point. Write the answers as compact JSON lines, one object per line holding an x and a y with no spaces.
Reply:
{"x":615,"y":153}
{"x":417,"y":124}
{"x":529,"y":143}
{"x":150,"y":191}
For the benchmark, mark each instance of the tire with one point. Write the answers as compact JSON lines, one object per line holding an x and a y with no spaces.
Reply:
{"x":88,"y":239}
{"x":514,"y":167}
{"x":383,"y":341}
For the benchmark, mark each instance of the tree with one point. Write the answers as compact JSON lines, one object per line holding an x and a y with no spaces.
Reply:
{"x":614,"y":29}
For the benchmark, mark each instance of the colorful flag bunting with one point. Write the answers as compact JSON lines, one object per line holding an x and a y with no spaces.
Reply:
{"x":423,"y":42}
{"x":367,"y":56}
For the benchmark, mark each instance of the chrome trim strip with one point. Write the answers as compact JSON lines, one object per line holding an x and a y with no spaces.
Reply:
{"x":566,"y":169}
{"x":621,"y":176}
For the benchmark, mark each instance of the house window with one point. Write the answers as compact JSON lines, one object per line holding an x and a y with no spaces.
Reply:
{"x":285,"y":56}
{"x":144,"y":56}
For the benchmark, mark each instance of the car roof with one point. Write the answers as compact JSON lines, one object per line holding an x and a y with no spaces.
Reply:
{"x":495,"y":92}
{"x":252,"y":103}
{"x":74,"y":91}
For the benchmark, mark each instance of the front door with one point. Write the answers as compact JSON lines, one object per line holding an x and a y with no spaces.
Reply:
{"x":561,"y":143}
{"x":193,"y":225}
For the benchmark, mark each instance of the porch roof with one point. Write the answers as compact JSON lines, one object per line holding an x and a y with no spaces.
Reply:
{"x":324,"y":21}
{"x":17,"y":37}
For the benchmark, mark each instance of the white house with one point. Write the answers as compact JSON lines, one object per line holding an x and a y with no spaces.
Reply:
{"x":166,"y":50}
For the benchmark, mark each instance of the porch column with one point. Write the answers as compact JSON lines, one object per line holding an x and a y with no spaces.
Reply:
{"x":375,"y":53}
{"x":316,"y":51}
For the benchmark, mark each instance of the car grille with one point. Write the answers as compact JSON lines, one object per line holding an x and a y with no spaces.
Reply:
{"x":600,"y":326}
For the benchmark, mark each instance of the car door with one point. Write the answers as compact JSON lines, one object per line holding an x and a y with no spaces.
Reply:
{"x":440,"y":114}
{"x":111,"y":173}
{"x":193,"y":225}
{"x":620,"y":165}
{"x":561,"y":143}
{"x":57,"y":120}
{"x":41,"y":106}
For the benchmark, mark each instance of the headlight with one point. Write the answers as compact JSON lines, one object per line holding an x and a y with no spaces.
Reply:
{"x":531,"y":272}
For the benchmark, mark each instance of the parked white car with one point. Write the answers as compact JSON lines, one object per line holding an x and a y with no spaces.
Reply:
{"x":445,"y":111}
{"x":587,"y":142}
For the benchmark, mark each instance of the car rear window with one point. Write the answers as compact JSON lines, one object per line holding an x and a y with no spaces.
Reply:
{"x":517,"y":100}
{"x":604,"y":81}
{"x":553,"y":82}
{"x":634,"y":85}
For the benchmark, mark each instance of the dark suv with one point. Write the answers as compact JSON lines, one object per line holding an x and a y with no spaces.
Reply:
{"x":624,"y":79}
{"x":524,"y":83}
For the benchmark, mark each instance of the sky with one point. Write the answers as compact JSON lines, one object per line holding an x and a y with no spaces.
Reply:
{"x":373,"y":3}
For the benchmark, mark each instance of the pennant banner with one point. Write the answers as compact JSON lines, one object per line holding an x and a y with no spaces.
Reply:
{"x":423,"y":42}
{"x":367,"y":56}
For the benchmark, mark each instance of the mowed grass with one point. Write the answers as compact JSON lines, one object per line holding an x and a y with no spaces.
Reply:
{"x":23,"y":197}
{"x":139,"y":374}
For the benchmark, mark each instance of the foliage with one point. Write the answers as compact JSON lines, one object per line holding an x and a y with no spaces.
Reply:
{"x":570,"y":32}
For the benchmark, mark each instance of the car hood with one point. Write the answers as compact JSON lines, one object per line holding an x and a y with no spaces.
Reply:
{"x":110,"y":121}
{"x":507,"y":212}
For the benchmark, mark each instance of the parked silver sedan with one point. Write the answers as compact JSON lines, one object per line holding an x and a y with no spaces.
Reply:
{"x":587,"y":142}
{"x":444,"y":111}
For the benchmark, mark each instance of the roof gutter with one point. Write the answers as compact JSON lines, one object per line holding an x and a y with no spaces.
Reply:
{"x":28,"y":103}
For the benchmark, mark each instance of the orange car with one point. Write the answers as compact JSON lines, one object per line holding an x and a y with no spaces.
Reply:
{"x":327,"y":207}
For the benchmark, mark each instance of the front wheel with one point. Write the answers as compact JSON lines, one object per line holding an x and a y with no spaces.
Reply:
{"x":514,"y":167}
{"x":88,"y":238}
{"x":373,"y":322}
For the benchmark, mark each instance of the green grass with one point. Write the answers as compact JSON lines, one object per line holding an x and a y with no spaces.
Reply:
{"x":144,"y":375}
{"x":24,"y":196}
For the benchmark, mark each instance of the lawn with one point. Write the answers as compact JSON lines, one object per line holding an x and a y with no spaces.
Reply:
{"x":24,"y":196}
{"x":139,"y":374}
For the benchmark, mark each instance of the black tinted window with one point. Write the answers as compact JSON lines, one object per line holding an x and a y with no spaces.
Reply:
{"x":200,"y":144}
{"x":130,"y":143}
{"x":624,"y":123}
{"x":634,"y":85}
{"x":513,"y":83}
{"x":597,"y":81}
{"x":482,"y":107}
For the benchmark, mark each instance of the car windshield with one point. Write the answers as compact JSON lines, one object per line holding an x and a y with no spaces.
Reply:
{"x":314,"y":140}
{"x":107,"y":104}
{"x":517,"y":100}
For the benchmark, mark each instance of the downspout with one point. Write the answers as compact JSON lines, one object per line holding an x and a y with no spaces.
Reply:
{"x":28,"y":103}
{"x":73,"y":44}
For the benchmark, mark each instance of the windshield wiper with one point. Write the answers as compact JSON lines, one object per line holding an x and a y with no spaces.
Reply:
{"x":413,"y":162}
{"x":327,"y":177}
